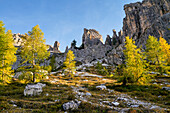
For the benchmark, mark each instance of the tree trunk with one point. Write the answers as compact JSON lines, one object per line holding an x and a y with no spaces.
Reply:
{"x":33,"y":71}
{"x":124,"y":81}
{"x":3,"y":70}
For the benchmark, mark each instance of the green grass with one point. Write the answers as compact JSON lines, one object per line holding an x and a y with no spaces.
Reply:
{"x":13,"y":94}
{"x":149,"y":93}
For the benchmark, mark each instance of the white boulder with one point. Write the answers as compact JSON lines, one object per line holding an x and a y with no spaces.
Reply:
{"x":72,"y":105}
{"x":115,"y":103}
{"x":101,"y":87}
{"x":88,"y":94}
{"x":33,"y":89}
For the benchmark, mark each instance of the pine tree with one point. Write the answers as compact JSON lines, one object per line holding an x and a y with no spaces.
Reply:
{"x":7,"y":53}
{"x":134,"y":64}
{"x":69,"y":62}
{"x":34,"y":50}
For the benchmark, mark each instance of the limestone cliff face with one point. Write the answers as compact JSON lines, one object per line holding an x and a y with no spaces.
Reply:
{"x":151,"y":17}
{"x":18,"y":39}
{"x":95,"y":50}
{"x":56,"y":47}
{"x":91,"y":37}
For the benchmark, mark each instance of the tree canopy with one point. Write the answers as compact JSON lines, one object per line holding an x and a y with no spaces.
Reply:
{"x":34,"y":49}
{"x":7,"y":53}
{"x":133,"y":71}
{"x":69,"y":62}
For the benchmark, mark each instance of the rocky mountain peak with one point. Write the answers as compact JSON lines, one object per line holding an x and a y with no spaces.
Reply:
{"x":17,"y":39}
{"x":56,"y":47}
{"x":91,"y":37}
{"x":108,"y":40}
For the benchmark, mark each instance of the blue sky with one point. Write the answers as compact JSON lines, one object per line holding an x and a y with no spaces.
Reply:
{"x":63,"y":20}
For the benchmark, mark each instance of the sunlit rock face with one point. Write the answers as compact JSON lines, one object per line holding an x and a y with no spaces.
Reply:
{"x":95,"y":50}
{"x":56,"y":47}
{"x":151,"y":17}
{"x":18,"y":39}
{"x":91,"y":37}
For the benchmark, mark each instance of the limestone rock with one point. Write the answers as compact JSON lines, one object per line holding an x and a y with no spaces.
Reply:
{"x":108,"y":40}
{"x":33,"y":89}
{"x":50,"y":48}
{"x":91,"y":53}
{"x":18,"y":39}
{"x":56,"y":47}
{"x":101,"y":87}
{"x":166,"y":88}
{"x":91,"y":37}
{"x":151,"y":17}
{"x":115,"y":103}
{"x":66,"y":50}
{"x":72,"y":105}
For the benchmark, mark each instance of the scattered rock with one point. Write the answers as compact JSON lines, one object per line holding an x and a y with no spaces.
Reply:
{"x":33,"y":89}
{"x":166,"y":88}
{"x":115,"y":103}
{"x":155,"y":107}
{"x":101,"y":87}
{"x":14,"y":105}
{"x":106,"y":102}
{"x":72,"y":105}
{"x":88,"y":94}
{"x":134,"y":106}
{"x":57,"y":100}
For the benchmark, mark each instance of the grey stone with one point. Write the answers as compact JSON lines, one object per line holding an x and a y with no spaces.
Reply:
{"x":166,"y":88}
{"x":72,"y":105}
{"x":56,"y":47}
{"x":115,"y":103}
{"x":151,"y":17}
{"x":88,"y":94}
{"x":91,"y":37}
{"x":101,"y":87}
{"x":33,"y":89}
{"x":134,"y":106}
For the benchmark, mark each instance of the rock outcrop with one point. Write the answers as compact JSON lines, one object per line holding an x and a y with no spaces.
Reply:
{"x":56,"y":47}
{"x":151,"y":17}
{"x":72,"y":105}
{"x":33,"y":89}
{"x":18,"y":39}
{"x":91,"y":37}
{"x":108,"y":41}
{"x":95,"y":51}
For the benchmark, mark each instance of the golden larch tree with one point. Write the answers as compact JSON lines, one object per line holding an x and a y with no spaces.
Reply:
{"x":7,"y":53}
{"x":157,"y":54}
{"x":134,"y":64}
{"x":69,"y":62}
{"x":34,"y":50}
